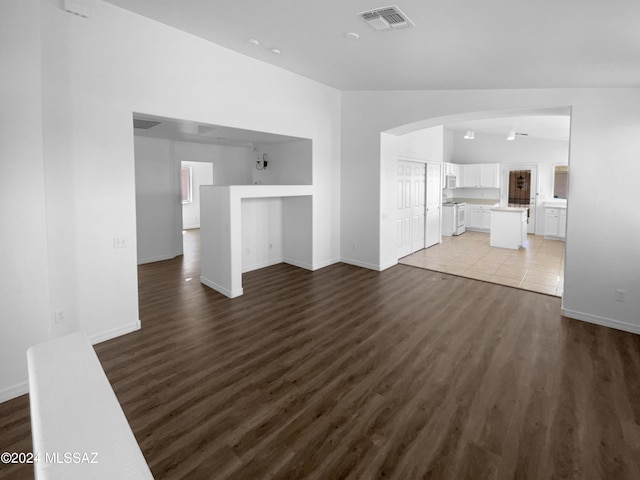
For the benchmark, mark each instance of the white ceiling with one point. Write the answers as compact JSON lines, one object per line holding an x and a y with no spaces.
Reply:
{"x":544,"y":125}
{"x":456,"y":44}
{"x":188,"y":131}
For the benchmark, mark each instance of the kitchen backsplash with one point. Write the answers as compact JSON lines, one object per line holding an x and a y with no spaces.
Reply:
{"x":472,"y":193}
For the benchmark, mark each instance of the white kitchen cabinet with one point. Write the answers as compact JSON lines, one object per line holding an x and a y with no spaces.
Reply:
{"x":479,"y":217}
{"x":555,"y":222}
{"x":475,"y":218}
{"x":454,"y":169}
{"x":481,"y":175}
{"x":470,"y":176}
{"x":486,"y":219}
{"x":490,"y":175}
{"x":450,"y":170}
{"x":508,"y":227}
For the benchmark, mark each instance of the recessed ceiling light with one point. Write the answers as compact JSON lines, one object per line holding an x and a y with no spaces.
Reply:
{"x":351,"y":36}
{"x":253,"y":41}
{"x":275,"y":51}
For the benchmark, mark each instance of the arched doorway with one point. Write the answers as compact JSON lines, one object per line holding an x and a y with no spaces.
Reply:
{"x":530,"y":154}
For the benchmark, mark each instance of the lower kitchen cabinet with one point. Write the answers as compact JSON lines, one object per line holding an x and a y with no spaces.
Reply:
{"x":555,"y":222}
{"x":509,"y":227}
{"x":479,"y":217}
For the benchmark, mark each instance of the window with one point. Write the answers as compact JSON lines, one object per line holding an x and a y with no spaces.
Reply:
{"x":560,"y":181}
{"x":185,"y":183}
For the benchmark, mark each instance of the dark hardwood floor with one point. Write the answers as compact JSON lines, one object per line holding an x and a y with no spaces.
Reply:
{"x":350,"y":373}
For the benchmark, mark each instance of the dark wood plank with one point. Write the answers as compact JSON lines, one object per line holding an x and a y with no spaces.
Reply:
{"x":350,"y":373}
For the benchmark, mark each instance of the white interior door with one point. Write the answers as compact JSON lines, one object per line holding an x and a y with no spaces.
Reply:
{"x":403,"y":210}
{"x":418,"y":214}
{"x":433,"y":197}
{"x":410,"y":217}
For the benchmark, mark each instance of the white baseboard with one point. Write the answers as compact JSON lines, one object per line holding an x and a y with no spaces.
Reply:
{"x":257,"y":266}
{"x":115,"y":332}
{"x":605,"y":322}
{"x":298,"y":264}
{"x":14,"y":391}
{"x":220,"y":289}
{"x":159,"y":258}
{"x":384,"y":266}
{"x":21,"y":388}
{"x":370,"y":266}
{"x":318,"y":266}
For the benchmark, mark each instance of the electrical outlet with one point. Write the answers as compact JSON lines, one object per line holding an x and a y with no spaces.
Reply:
{"x":119,"y":242}
{"x":619,"y":295}
{"x":59,"y":316}
{"x":355,"y":246}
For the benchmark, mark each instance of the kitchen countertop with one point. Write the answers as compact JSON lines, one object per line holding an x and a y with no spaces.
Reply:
{"x":476,"y":201}
{"x":509,"y":209}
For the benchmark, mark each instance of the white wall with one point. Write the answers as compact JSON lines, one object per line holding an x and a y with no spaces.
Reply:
{"x":423,"y":145}
{"x":24,"y":283}
{"x":426,"y":145}
{"x":448,"y":146}
{"x":262,"y":242}
{"x":95,"y":73}
{"x":605,"y":139}
{"x":225,"y":234}
{"x":289,"y":164}
{"x":232,"y":165}
{"x":160,"y":216}
{"x":297,"y":230}
{"x":487,"y":148}
{"x":158,"y":200}
{"x":201,"y":174}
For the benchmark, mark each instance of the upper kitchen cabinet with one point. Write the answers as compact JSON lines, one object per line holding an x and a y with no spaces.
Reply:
{"x":470,"y":175}
{"x":481,"y":175}
{"x":490,"y":175}
{"x":451,"y":170}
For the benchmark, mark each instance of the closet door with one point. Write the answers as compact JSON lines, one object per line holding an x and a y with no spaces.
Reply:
{"x":411,"y":206}
{"x":433,"y":197}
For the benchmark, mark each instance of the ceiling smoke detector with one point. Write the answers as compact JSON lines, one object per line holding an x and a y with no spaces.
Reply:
{"x":386,"y":18}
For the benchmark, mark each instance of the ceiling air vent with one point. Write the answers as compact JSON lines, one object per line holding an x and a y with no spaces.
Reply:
{"x":386,"y":18}
{"x":144,"y":124}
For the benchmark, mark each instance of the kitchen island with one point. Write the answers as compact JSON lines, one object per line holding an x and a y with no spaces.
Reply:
{"x":508,"y":227}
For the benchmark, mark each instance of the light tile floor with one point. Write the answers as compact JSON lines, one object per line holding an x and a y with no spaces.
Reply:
{"x":538,"y":266}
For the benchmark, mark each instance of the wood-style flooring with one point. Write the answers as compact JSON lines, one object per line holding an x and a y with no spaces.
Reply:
{"x":347,"y":373}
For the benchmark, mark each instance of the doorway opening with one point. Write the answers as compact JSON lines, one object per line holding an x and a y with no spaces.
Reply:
{"x":520,"y":190}
{"x":527,"y":180}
